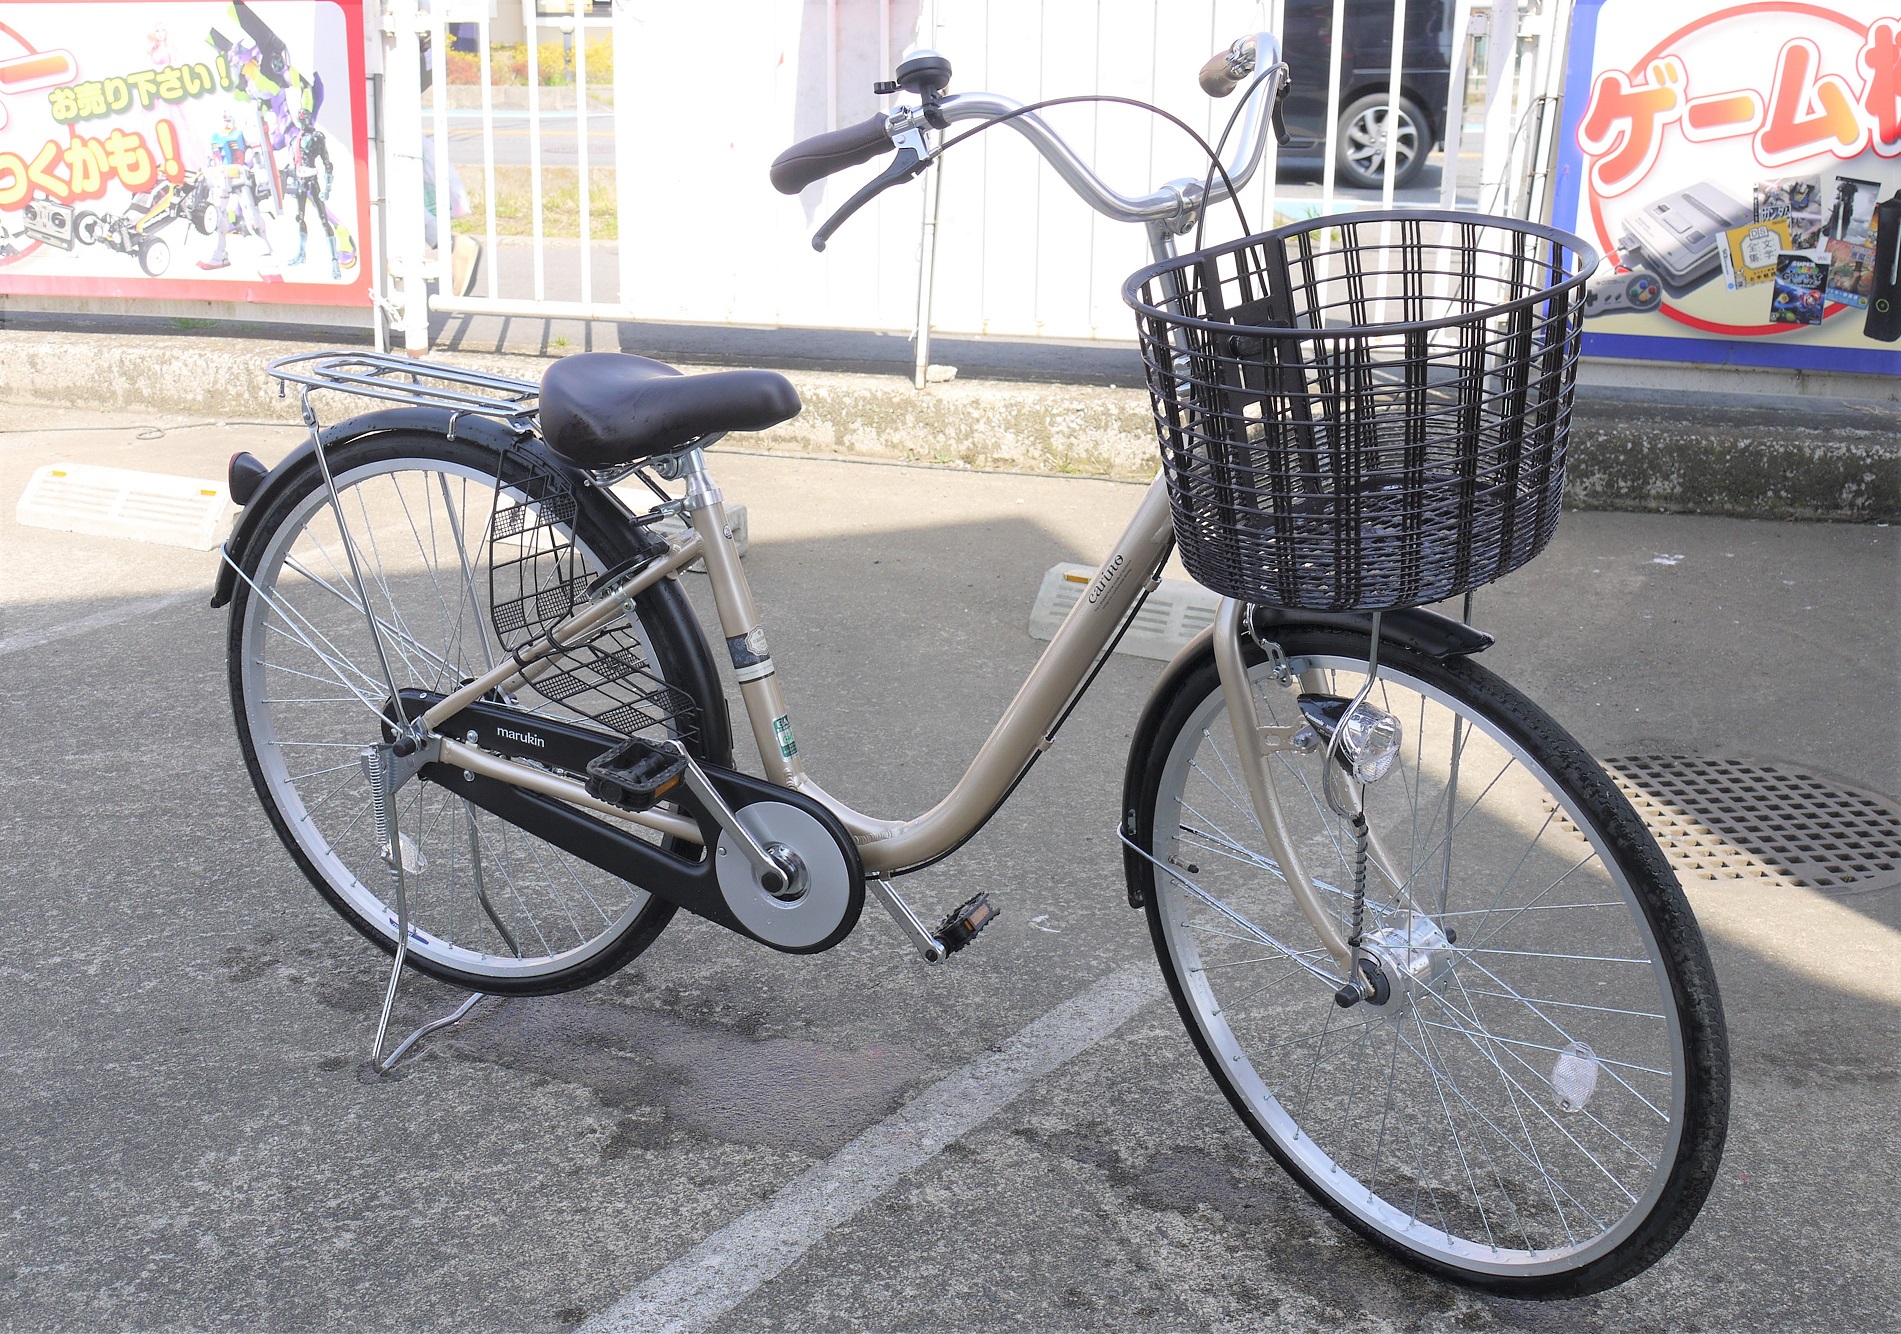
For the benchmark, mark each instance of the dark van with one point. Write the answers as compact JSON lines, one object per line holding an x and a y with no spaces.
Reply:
{"x":1359,"y":146}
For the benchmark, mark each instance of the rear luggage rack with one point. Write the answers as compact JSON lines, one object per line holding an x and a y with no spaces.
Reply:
{"x":397,"y":379}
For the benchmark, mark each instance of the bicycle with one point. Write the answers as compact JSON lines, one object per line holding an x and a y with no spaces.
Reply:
{"x":1427,"y":951}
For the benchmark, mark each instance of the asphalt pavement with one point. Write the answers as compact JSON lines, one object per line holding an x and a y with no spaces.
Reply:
{"x":192,"y":1140}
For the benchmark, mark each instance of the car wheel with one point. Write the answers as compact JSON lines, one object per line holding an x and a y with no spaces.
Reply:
{"x":1360,"y":144}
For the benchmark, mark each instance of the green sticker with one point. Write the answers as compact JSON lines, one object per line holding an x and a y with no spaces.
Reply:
{"x":782,"y":728}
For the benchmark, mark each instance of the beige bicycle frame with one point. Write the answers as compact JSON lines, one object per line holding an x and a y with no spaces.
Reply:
{"x":1026,"y":728}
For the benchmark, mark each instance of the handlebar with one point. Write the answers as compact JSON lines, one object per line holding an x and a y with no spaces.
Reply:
{"x":1175,"y":202}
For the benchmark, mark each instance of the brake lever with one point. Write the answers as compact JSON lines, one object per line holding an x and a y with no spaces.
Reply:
{"x":913,"y":157}
{"x":1281,"y":136}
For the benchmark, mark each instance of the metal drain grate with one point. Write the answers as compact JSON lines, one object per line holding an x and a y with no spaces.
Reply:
{"x":1725,"y":819}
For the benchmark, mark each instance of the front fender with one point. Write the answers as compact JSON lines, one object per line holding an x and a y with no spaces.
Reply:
{"x":485,"y":430}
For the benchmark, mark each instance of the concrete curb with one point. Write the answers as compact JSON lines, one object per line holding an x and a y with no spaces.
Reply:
{"x":1681,"y":452}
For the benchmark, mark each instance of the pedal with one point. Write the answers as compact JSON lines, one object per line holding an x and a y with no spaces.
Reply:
{"x":965,"y":921}
{"x":635,"y":774}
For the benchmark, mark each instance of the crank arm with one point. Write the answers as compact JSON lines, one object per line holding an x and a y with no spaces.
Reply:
{"x":772,"y":877}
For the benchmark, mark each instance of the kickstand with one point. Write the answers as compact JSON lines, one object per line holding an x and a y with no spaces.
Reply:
{"x":381,"y":1064}
{"x":376,"y":768}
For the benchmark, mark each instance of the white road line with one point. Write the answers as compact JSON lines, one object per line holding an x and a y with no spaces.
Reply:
{"x":746,"y":1254}
{"x":125,"y":611}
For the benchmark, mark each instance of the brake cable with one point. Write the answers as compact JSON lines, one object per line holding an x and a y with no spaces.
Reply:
{"x":908,"y":163}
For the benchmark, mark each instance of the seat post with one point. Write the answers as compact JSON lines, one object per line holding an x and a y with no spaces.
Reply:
{"x":746,"y":645}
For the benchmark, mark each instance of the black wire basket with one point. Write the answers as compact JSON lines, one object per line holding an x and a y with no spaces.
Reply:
{"x":1368,"y":411}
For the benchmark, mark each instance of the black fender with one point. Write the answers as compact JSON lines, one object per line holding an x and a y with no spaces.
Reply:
{"x":697,"y":674}
{"x":1415,"y":628}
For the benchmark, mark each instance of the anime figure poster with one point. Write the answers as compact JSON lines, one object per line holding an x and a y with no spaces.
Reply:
{"x":213,"y":150}
{"x":1724,"y":157}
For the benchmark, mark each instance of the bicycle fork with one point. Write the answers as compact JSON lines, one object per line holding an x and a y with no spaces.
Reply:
{"x":1256,"y":744}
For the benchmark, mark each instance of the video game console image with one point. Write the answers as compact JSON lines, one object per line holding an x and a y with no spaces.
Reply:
{"x":1679,"y":236}
{"x":1611,"y":290}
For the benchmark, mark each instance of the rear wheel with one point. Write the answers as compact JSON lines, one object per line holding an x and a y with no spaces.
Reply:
{"x":491,"y":906}
{"x":1539,"y":1106}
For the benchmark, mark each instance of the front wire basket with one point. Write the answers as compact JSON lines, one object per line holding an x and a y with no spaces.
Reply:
{"x":1368,"y":411}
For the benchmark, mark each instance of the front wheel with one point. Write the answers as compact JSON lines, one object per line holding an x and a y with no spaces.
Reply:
{"x":462,"y":568}
{"x":1538,"y":1106}
{"x":155,"y":256}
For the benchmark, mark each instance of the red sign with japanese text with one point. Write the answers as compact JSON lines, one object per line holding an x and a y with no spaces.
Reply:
{"x":1735,"y":163}
{"x":184,"y":149}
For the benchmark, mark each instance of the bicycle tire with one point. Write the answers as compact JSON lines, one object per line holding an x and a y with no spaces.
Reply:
{"x":1554,"y":892}
{"x":527,"y":923}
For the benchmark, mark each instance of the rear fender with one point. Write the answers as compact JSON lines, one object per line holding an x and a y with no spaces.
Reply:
{"x":486,"y":430}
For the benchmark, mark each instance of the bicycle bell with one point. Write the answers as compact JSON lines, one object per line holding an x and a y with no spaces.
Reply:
{"x":925,"y":73}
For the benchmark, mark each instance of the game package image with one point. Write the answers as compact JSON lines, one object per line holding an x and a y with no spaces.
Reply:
{"x":184,"y":149}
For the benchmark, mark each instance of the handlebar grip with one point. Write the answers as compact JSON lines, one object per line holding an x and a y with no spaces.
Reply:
{"x":818,"y":157}
{"x":1219,"y":76}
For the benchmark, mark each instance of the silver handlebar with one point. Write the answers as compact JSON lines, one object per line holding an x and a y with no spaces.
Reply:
{"x":1176,"y":203}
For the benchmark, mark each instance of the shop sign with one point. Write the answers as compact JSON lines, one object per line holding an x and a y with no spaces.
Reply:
{"x":184,"y":150}
{"x":1732,"y":161}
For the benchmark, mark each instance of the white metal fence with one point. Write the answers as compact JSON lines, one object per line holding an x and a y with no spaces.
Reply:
{"x":702,"y":97}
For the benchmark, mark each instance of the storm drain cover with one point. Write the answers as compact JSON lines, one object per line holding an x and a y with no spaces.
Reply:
{"x":1729,"y":819}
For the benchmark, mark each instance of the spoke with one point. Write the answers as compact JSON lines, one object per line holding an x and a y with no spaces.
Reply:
{"x":1251,"y":940}
{"x":1439,"y":1087}
{"x":1246,"y":812}
{"x":1568,"y":1005}
{"x":1237,"y":963}
{"x":468,"y":571}
{"x":376,"y":551}
{"x":1523,"y":859}
{"x":341,"y":787}
{"x":580,"y":936}
{"x":1531,"y":1144}
{"x":401,"y":637}
{"x":508,"y":876}
{"x":336,"y":660}
{"x":1271,"y":982}
{"x":347,"y":764}
{"x":1561,"y":1031}
{"x":1541,"y":1046}
{"x":345,"y":583}
{"x":1595,"y":1222}
{"x":268,"y":665}
{"x":1221,"y":845}
{"x":428,"y":553}
{"x":1533,"y":907}
{"x":1447,"y":836}
{"x":1539,"y":1104}
{"x":1482,"y":1146}
{"x":1546,"y":954}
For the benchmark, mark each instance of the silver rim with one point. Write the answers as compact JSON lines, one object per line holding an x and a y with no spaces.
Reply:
{"x":1366,"y":142}
{"x":1436,"y":1122}
{"x":485,"y":898}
